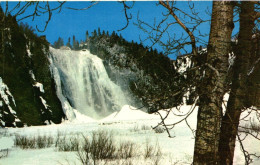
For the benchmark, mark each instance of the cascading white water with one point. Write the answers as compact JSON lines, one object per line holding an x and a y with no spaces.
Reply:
{"x":83,"y":83}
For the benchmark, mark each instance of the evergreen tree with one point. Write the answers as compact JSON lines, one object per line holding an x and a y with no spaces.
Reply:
{"x":75,"y":43}
{"x":68,"y":43}
{"x":113,"y":34}
{"x":57,"y":44}
{"x":99,"y":32}
{"x":94,"y":34}
{"x":87,"y":36}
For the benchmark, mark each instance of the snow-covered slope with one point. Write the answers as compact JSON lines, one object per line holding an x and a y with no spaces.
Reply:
{"x":128,"y":113}
{"x":7,"y":101}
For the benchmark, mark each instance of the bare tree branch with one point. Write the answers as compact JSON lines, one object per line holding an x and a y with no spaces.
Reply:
{"x":192,"y":38}
{"x":85,"y":8}
{"x":127,"y":16}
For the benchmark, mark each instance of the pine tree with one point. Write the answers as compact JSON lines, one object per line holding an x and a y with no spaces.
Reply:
{"x":68,"y":43}
{"x":99,"y":32}
{"x":57,"y":44}
{"x":87,"y":36}
{"x":94,"y":34}
{"x":75,"y":43}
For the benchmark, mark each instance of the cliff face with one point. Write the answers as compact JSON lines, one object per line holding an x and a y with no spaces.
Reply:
{"x":27,"y":89}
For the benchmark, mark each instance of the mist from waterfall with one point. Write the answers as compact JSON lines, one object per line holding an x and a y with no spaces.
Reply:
{"x":82,"y":84}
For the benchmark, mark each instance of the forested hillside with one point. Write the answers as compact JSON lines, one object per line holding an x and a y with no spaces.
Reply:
{"x":146,"y":73}
{"x":27,"y":90}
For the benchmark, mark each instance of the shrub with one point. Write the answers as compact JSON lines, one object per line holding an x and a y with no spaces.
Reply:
{"x":101,"y":146}
{"x":148,"y":151}
{"x":255,"y":127}
{"x":4,"y":153}
{"x":145,"y":127}
{"x":3,"y":132}
{"x":135,"y":128}
{"x":159,"y":129}
{"x":64,"y":144}
{"x":125,"y":150}
{"x":152,"y":151}
{"x":24,"y":142}
{"x":43,"y":141}
{"x":39,"y":142}
{"x":84,"y":153}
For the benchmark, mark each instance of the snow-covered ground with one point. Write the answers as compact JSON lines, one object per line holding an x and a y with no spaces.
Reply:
{"x":129,"y":124}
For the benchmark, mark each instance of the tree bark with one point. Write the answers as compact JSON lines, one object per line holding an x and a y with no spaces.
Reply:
{"x":237,"y":100}
{"x":212,"y":88}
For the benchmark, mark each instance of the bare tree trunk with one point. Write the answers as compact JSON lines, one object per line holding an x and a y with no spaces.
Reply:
{"x":212,"y":89}
{"x":237,"y":100}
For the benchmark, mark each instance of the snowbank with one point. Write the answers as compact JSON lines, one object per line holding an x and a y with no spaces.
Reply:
{"x":128,"y":113}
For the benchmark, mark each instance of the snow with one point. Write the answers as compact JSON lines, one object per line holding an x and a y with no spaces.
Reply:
{"x":251,"y":71}
{"x":123,"y":124}
{"x":36,"y":84}
{"x":44,"y":103}
{"x":224,"y":104}
{"x":253,"y":67}
{"x":183,"y":63}
{"x":204,"y":50}
{"x":80,"y":118}
{"x":6,"y":143}
{"x":128,"y":113}
{"x":5,"y":93}
{"x":231,"y":59}
{"x":32,"y":75}
{"x":65,"y":48}
{"x":28,"y":51}
{"x":40,"y":86}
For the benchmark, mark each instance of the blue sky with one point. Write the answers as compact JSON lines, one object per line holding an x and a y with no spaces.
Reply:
{"x":109,"y":16}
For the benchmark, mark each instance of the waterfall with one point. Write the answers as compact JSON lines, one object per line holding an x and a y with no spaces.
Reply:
{"x":83,"y":85}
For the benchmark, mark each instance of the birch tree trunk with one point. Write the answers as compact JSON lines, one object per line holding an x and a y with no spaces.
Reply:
{"x":212,"y":88}
{"x":237,"y":100}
